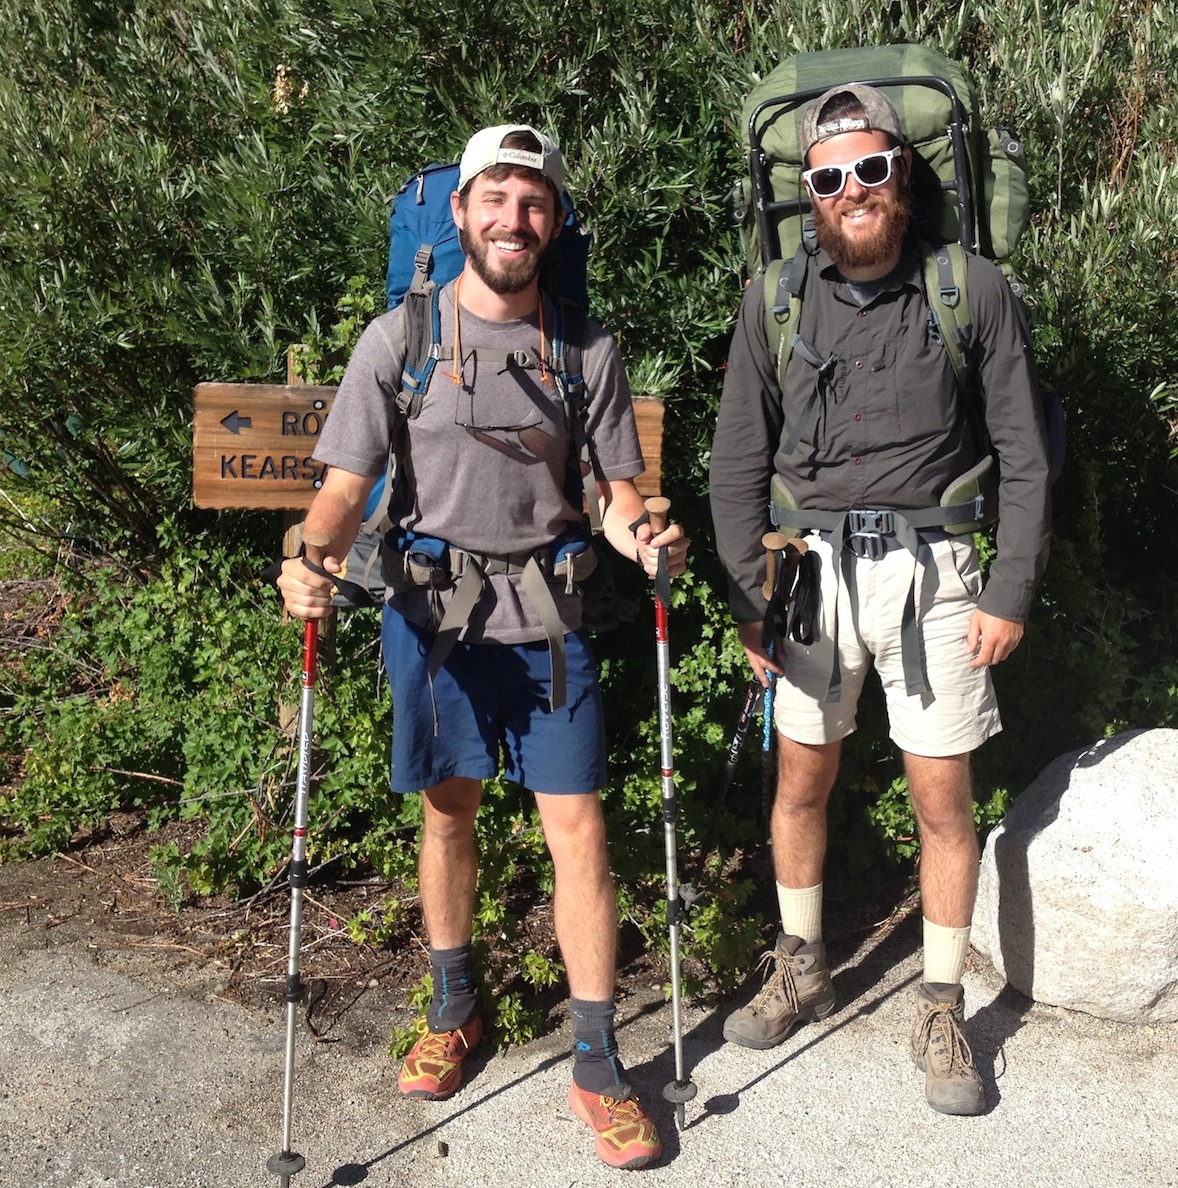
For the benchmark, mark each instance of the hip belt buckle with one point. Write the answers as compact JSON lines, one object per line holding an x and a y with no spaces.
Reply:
{"x":866,"y":530}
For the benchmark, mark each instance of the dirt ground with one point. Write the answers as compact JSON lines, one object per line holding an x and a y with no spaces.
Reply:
{"x":104,"y":897}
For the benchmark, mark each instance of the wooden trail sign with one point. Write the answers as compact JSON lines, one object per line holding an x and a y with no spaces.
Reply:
{"x":253,"y":445}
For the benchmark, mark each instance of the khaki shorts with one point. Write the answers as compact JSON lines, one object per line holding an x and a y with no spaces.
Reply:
{"x":961,"y":712}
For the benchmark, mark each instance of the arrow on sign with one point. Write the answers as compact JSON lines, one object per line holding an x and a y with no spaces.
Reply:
{"x":235,"y":423}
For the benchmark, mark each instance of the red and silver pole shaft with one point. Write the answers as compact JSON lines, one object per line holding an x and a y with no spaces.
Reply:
{"x":287,"y":1162}
{"x":681,"y":1090}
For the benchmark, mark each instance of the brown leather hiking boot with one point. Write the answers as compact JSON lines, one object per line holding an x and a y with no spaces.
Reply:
{"x":797,"y":989}
{"x":940,"y":1049}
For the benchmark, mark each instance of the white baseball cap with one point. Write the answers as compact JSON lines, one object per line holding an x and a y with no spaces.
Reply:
{"x":485,"y":149}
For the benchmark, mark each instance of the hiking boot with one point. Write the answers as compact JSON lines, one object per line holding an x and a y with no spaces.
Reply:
{"x":433,"y":1068}
{"x":940,"y":1049}
{"x":626,"y":1137}
{"x":797,"y":989}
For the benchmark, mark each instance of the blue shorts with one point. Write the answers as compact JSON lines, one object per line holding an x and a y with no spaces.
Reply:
{"x":492,"y":703}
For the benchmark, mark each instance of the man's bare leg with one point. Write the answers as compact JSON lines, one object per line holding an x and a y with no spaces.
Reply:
{"x":447,"y":862}
{"x":585,"y":908}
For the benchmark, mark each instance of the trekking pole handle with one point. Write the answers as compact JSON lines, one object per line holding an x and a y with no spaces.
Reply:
{"x":658,"y":508}
{"x":774,"y":542}
{"x":315,"y":546}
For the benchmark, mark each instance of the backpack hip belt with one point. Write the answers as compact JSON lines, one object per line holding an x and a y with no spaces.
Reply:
{"x":435,"y":564}
{"x":866,"y":532}
{"x":411,"y":565}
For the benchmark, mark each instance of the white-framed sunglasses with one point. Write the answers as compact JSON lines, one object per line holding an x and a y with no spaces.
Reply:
{"x":873,"y":170}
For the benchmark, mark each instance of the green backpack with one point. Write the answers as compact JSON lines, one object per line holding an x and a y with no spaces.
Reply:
{"x":969,"y":194}
{"x":969,"y":184}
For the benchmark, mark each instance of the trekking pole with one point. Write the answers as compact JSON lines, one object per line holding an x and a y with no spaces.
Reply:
{"x":286,"y":1162}
{"x":751,"y":696}
{"x":689,"y":892}
{"x":774,"y":543}
{"x":783,"y":557}
{"x":681,"y":1090}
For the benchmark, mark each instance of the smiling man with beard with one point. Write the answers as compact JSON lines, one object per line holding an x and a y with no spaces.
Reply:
{"x":861,"y":447}
{"x":488,"y":483}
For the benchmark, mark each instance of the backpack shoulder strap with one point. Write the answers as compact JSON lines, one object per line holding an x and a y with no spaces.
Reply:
{"x":785,"y":285}
{"x":423,"y":332}
{"x":943,"y":267}
{"x":568,"y":343}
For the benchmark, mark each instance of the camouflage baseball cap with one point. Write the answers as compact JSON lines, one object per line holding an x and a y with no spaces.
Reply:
{"x":878,"y":116}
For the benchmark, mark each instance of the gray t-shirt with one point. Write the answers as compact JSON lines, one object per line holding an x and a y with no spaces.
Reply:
{"x":487,"y":460}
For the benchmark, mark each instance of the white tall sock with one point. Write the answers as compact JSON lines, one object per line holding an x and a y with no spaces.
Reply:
{"x":944,"y":953}
{"x":801,"y":912}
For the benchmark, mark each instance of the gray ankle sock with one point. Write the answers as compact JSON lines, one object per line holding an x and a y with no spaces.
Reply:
{"x":597,"y":1067}
{"x":455,"y":1002}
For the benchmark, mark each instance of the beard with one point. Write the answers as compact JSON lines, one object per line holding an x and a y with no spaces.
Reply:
{"x":857,"y":251}
{"x":505,"y":276}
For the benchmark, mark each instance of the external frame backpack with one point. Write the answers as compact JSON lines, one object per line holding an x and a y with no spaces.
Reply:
{"x":969,"y":195}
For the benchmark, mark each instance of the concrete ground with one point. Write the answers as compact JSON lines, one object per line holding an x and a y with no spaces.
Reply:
{"x":112,"y":1078}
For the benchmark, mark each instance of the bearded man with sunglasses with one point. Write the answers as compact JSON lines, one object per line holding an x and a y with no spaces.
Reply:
{"x":866,"y":436}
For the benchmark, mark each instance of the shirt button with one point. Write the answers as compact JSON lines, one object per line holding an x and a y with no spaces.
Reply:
{"x":859,"y":363}
{"x":856,"y":416}
{"x":863,"y":313}
{"x":858,"y":461}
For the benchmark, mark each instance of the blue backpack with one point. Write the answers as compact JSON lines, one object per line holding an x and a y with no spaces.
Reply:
{"x":424,"y":255}
{"x":423,"y":241}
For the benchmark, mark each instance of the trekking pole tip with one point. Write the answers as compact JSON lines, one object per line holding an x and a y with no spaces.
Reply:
{"x":679,"y":1093}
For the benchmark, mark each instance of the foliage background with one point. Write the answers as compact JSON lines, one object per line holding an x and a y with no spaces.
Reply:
{"x":192,"y":187}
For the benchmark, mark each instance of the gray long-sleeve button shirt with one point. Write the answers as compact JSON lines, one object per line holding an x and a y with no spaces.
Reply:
{"x":891,"y":430}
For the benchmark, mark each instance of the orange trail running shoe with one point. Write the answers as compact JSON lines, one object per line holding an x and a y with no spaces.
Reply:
{"x":626,"y":1137}
{"x":433,"y":1068}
